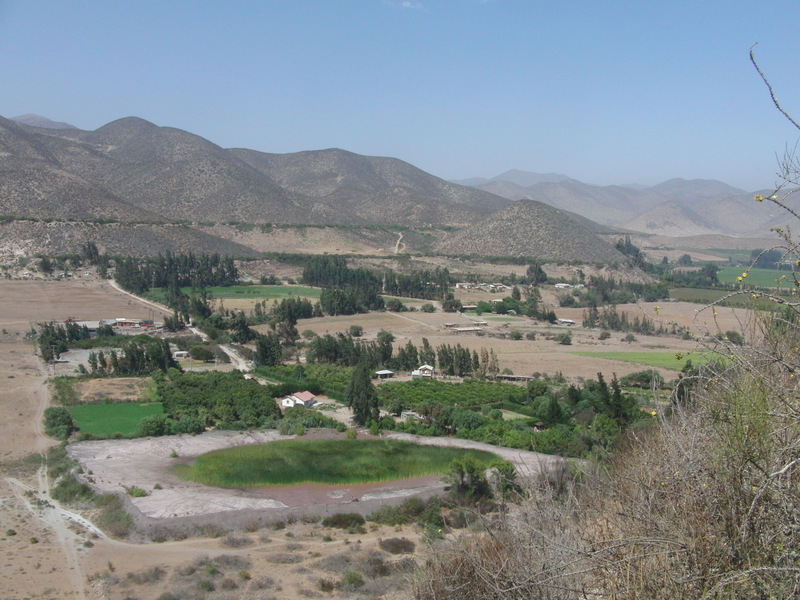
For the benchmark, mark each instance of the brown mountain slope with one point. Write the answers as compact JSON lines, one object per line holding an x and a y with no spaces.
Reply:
{"x":169,"y":171}
{"x":181,"y":176}
{"x":38,"y":237}
{"x":530,"y":228}
{"x":369,"y":189}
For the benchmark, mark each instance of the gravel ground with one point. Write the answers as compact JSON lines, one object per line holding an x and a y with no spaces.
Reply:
{"x":146,"y":463}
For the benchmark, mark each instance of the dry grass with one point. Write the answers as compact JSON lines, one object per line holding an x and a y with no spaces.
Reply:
{"x":704,"y":505}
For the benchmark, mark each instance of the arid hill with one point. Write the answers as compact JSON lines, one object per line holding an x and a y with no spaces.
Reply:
{"x":530,"y":228}
{"x":133,"y":170}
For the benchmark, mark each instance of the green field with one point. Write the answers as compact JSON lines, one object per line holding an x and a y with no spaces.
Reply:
{"x":707,"y":296}
{"x":666,"y":360}
{"x":765,"y":278}
{"x":250,"y":292}
{"x":323,"y":461}
{"x":104,"y":420}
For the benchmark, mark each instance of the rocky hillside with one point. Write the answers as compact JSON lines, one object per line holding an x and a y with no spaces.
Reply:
{"x":530,"y":228}
{"x":135,"y":171}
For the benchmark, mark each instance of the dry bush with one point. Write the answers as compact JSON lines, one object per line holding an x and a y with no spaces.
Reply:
{"x":283,"y":558}
{"x":151,"y":575}
{"x":231,"y":561}
{"x":397,"y":545}
{"x":262,"y":583}
{"x":236,"y":541}
{"x":704,"y":504}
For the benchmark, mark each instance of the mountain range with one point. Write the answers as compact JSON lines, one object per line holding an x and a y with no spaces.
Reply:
{"x":136,"y":175}
{"x":676,"y":208}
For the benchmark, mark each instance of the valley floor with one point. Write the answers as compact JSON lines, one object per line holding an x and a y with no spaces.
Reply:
{"x":53,"y":555}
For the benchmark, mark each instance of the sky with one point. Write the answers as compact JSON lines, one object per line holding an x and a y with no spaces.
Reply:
{"x":607,"y":92}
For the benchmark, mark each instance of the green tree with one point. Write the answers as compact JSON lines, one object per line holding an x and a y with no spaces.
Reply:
{"x":468,"y":479}
{"x":45,"y":265}
{"x":58,"y":422}
{"x":268,"y":350}
{"x":360,"y":395}
{"x":200,"y":353}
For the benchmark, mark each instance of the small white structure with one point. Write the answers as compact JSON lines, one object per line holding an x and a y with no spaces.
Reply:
{"x":423,"y":372}
{"x":180,"y":354}
{"x":384,"y":374}
{"x":566,"y":321}
{"x":305,"y":399}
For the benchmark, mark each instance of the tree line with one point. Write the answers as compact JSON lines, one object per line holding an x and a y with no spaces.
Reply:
{"x":175,"y":270}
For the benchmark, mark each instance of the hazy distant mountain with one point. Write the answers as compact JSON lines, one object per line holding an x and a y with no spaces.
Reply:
{"x":671,"y":219}
{"x":692,"y":190}
{"x":530,"y":228}
{"x":518,"y":179}
{"x":528,"y":178}
{"x":674,"y":207}
{"x":506,"y":189}
{"x":43,"y":122}
{"x":609,"y":205}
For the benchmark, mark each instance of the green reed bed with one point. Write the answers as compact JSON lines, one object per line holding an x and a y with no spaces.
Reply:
{"x":323,"y":461}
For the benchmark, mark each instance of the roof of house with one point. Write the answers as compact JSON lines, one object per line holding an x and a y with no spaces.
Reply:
{"x":304,"y":396}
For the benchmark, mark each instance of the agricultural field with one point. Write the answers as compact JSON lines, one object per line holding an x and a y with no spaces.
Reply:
{"x":244,"y":297}
{"x":673,"y":361}
{"x":106,"y":420}
{"x":762,"y":278}
{"x":708,"y":296}
{"x":333,"y":462}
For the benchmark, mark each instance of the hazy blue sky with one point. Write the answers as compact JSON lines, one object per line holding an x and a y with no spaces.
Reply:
{"x":606,"y":92}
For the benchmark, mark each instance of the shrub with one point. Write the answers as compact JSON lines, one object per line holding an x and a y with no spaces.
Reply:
{"x":112,"y":518}
{"x":68,"y":490}
{"x":136,"y":492}
{"x":604,"y":335}
{"x":388,"y":515}
{"x":151,"y":575}
{"x":643,"y":379}
{"x":397,"y":545}
{"x":344,"y":521}
{"x":356,"y":330}
{"x":58,"y":422}
{"x":236,"y":541}
{"x":351,"y":581}
{"x":564,"y":338}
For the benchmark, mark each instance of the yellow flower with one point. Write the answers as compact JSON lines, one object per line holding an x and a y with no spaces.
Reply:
{"x":658,"y":308}
{"x":653,"y":413}
{"x":759,"y":198}
{"x":739,"y":278}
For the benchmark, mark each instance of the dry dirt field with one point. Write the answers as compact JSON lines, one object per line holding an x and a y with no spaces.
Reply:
{"x":56,"y":554}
